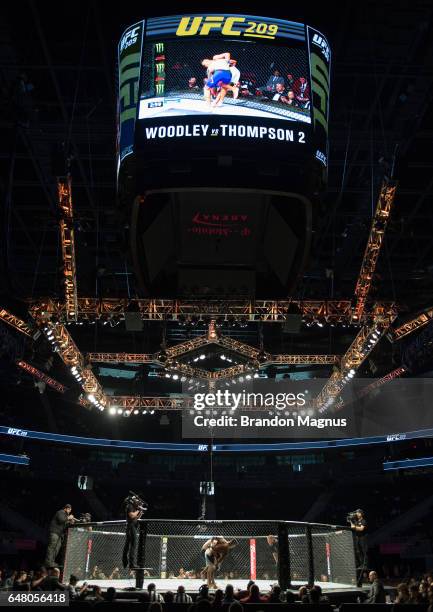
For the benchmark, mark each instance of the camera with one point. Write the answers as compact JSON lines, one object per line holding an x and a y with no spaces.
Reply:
{"x":352,"y":517}
{"x":136,"y":501}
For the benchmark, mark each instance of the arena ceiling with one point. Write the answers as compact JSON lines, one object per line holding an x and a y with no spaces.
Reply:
{"x":381,"y":121}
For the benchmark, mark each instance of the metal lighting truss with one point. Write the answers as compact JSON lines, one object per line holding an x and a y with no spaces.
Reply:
{"x":51,"y":382}
{"x":15,"y":322}
{"x":365,"y":341}
{"x":142,"y":358}
{"x":71,"y":356}
{"x":413,"y":325}
{"x":372,"y":250}
{"x":326,"y":311}
{"x":68,"y":247}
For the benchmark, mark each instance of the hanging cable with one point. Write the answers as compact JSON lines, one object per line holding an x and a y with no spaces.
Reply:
{"x":38,"y":261}
{"x":77,"y":86}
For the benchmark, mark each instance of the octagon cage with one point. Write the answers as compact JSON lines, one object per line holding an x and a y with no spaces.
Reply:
{"x":170,"y":553}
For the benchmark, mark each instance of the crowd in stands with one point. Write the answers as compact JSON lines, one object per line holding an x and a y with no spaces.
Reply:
{"x":414,"y":592}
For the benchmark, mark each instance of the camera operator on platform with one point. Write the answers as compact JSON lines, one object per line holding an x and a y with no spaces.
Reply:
{"x":134,"y":508}
{"x":358,"y":525}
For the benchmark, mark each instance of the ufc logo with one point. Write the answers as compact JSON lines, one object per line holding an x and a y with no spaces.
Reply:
{"x":191,"y":26}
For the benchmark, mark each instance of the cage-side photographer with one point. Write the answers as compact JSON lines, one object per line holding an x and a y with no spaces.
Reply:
{"x":134,"y":509}
{"x":358,"y":525}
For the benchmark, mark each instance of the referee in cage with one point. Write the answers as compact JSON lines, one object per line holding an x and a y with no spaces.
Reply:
{"x":359,"y":527}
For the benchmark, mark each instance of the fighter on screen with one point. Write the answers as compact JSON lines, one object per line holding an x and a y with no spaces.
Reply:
{"x":215,"y":551}
{"x":221,"y":72}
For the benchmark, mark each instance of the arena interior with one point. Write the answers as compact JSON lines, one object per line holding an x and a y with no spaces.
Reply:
{"x":199,"y":207}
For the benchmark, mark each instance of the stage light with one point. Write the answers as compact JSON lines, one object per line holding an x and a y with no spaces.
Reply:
{"x":168,"y":375}
{"x":222,"y":357}
{"x":91,"y":398}
{"x":248,"y":376}
{"x":202,"y":356}
{"x":183,"y":379}
{"x":352,"y":371}
{"x":112,"y":410}
{"x":119,"y":411}
{"x":256,"y":375}
{"x":152,"y":412}
{"x":175,"y":377}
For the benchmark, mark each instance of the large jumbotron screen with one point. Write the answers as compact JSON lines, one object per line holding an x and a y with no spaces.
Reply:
{"x":220,"y":77}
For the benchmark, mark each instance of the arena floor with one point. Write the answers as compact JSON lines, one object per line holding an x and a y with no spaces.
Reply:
{"x":192,"y":586}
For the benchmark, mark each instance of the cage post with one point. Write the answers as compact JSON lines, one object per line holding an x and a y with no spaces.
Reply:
{"x":139,"y":572}
{"x":310,"y":554}
{"x":284,"y":578}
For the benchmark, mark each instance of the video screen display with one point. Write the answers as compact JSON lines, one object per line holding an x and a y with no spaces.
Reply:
{"x":213,"y":78}
{"x":226,"y":77}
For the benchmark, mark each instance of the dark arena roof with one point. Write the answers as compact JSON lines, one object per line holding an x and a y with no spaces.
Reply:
{"x":113,"y":321}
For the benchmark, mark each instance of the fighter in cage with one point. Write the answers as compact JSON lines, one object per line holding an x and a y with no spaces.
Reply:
{"x":215,"y":551}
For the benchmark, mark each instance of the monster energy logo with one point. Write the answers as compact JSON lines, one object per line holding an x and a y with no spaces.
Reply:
{"x":159,"y":69}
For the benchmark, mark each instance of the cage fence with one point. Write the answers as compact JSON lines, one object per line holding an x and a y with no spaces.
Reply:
{"x":172,"y":550}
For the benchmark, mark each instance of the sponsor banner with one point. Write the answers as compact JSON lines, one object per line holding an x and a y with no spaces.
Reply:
{"x":129,"y":63}
{"x":320,"y":77}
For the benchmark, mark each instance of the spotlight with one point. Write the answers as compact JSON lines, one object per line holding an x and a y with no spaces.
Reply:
{"x":202,"y":356}
{"x":175,"y":377}
{"x":119,"y":411}
{"x":248,"y":376}
{"x":256,"y":375}
{"x":91,"y":398}
{"x":168,"y":376}
{"x":222,"y":357}
{"x":135,"y":411}
{"x":352,"y":371}
{"x":152,"y":412}
{"x":112,"y":410}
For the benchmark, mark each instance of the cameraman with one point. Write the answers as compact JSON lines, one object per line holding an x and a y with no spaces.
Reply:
{"x":133,"y":510}
{"x":358,"y":525}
